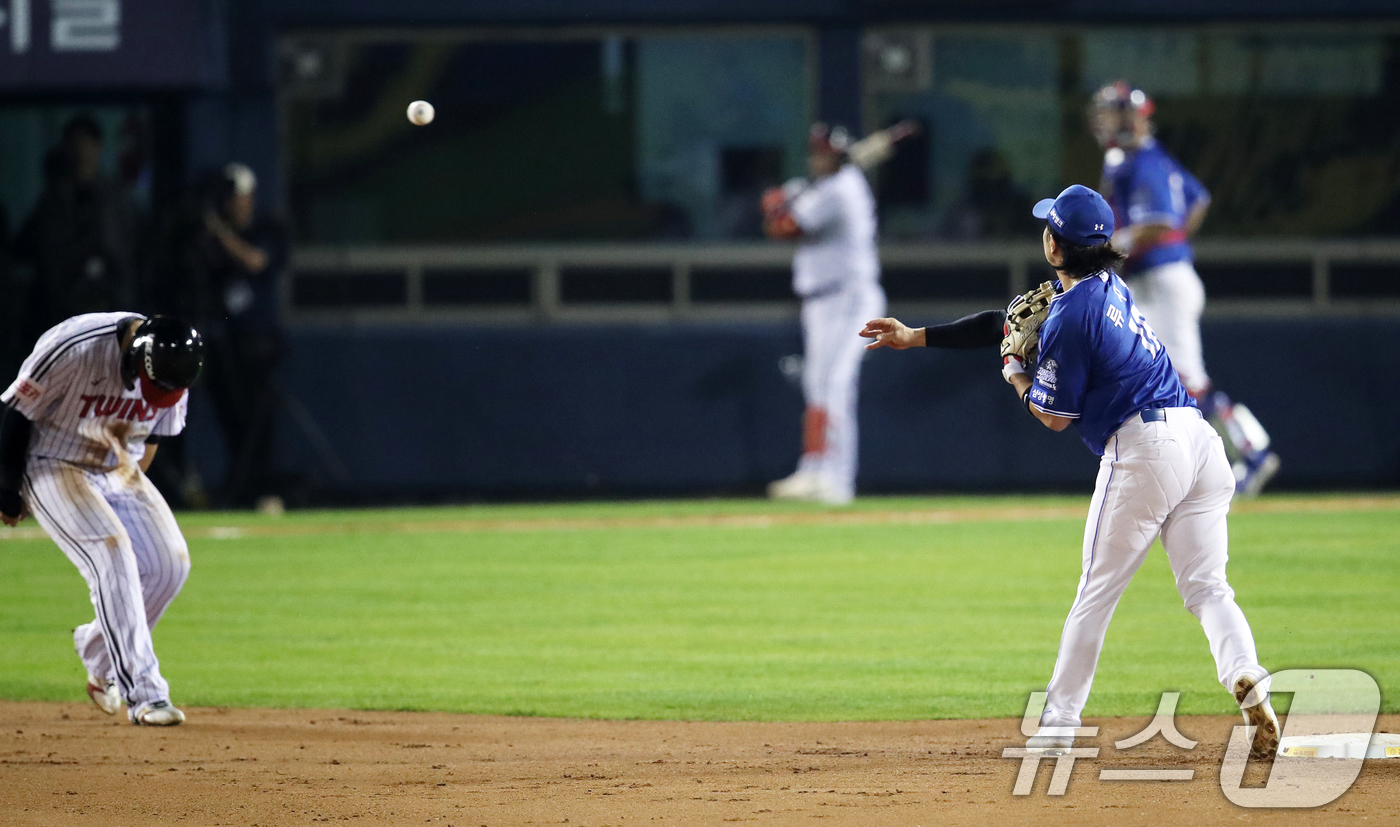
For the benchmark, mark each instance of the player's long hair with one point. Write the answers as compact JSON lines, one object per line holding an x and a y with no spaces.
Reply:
{"x":1081,"y":261}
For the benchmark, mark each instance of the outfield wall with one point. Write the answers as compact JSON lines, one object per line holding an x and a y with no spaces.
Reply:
{"x":696,"y":409}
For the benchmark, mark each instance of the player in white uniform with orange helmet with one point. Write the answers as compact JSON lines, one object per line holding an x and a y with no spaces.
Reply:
{"x":77,"y":433}
{"x":836,"y":273}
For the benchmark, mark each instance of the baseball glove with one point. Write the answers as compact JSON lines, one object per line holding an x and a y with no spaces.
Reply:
{"x":1024,"y":316}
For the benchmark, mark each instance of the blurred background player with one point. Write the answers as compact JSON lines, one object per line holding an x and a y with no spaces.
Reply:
{"x":1158,"y":206}
{"x":836,"y":273}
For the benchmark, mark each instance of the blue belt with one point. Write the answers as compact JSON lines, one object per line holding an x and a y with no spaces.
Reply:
{"x":1160,"y":414}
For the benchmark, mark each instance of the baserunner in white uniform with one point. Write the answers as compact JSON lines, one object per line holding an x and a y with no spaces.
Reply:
{"x":836,"y":273}
{"x":78,"y":429}
{"x":1163,"y":470}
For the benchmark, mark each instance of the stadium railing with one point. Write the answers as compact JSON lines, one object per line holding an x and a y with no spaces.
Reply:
{"x":611,"y":283}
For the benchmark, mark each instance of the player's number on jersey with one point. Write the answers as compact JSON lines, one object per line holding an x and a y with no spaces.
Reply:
{"x":1137,"y":323}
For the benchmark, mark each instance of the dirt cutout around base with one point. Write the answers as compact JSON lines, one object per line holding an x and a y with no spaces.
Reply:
{"x":68,"y":764}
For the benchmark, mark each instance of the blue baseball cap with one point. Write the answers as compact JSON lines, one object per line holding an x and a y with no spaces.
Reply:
{"x":1078,"y":215}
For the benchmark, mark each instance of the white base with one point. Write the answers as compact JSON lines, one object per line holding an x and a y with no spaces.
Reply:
{"x":1341,"y":745}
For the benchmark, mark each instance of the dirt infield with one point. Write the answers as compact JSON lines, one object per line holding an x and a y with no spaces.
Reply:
{"x":67,"y":764}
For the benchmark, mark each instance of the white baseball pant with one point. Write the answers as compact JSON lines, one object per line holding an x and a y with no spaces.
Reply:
{"x":120,"y":533}
{"x":1169,"y":478}
{"x":1172,"y":298}
{"x":832,"y":352}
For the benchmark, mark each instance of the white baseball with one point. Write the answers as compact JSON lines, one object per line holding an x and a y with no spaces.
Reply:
{"x":420,"y":112}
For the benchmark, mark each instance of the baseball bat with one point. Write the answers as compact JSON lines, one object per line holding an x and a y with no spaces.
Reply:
{"x":867,"y":153}
{"x":878,"y":147}
{"x":871,"y":151}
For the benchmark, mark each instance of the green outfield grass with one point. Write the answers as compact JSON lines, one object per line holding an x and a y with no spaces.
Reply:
{"x":897,"y":608}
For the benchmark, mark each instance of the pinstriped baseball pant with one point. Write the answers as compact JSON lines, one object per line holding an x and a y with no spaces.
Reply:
{"x":1172,"y":479}
{"x":118,"y":530}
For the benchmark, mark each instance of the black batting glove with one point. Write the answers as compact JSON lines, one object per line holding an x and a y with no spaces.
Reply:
{"x":11,"y":504}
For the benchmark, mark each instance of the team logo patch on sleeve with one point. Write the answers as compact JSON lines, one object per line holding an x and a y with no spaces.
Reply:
{"x":27,"y":389}
{"x":1047,"y":374}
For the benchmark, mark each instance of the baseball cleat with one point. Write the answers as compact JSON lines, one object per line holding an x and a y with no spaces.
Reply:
{"x":157,"y":713}
{"x":802,"y":485}
{"x":829,"y":494}
{"x":1259,"y":715}
{"x":104,"y":695}
{"x":1051,"y":742}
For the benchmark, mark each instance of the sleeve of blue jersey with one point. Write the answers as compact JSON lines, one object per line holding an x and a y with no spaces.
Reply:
{"x":1062,"y":372}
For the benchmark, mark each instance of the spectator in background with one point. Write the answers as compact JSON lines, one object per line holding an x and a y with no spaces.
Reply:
{"x":991,"y":206}
{"x":12,"y":314}
{"x":239,"y":256}
{"x":79,"y":243}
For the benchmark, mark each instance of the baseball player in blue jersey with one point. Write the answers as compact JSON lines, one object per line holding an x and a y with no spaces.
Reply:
{"x":78,"y":429}
{"x":1158,"y":206}
{"x":1163,"y":471}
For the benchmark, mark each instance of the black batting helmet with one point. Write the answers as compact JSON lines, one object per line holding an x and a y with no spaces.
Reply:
{"x":165,"y":357}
